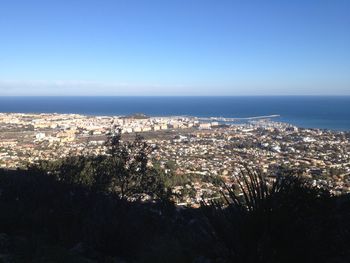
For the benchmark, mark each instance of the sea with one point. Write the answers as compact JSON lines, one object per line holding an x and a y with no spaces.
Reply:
{"x":322,"y":112}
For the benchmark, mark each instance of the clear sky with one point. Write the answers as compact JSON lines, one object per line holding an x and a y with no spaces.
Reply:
{"x":174,"y":47}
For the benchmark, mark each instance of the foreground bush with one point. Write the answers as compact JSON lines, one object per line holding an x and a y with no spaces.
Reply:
{"x":285,"y":220}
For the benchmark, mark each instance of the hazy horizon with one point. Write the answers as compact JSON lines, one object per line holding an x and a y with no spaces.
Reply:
{"x":170,"y":96}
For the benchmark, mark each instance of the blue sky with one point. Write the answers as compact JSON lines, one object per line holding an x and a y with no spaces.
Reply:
{"x":174,"y":47}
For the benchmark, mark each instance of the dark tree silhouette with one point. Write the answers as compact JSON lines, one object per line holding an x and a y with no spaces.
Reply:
{"x":123,"y":170}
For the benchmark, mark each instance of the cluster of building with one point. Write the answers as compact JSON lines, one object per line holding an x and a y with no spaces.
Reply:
{"x":205,"y":151}
{"x":26,"y":138}
{"x":273,"y":148}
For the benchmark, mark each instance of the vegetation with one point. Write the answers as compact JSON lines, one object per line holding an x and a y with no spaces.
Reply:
{"x":116,"y":208}
{"x":123,"y":171}
{"x":282,"y":221}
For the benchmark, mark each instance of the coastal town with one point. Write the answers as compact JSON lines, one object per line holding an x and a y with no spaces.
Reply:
{"x":208,"y":151}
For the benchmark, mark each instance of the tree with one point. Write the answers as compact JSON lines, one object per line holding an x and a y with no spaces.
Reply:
{"x":124,"y":170}
{"x":126,"y":166}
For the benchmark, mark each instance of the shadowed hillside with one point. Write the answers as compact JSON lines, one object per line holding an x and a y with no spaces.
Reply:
{"x":115,"y":208}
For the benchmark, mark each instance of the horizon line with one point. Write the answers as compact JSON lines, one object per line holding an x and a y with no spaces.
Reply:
{"x":179,"y":96}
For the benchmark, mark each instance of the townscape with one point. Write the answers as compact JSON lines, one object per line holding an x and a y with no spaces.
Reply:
{"x":207,"y":152}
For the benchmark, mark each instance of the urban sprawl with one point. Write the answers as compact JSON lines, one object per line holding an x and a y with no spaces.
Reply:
{"x":203,"y":149}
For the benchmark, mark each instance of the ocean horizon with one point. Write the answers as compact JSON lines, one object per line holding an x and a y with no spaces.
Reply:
{"x":322,"y":112}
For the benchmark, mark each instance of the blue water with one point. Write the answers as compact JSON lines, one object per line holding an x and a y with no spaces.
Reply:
{"x":323,"y":112}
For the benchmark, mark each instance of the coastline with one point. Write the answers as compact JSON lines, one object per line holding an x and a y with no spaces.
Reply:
{"x":322,"y":112}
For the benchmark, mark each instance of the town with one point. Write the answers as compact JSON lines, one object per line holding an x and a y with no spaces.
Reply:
{"x":207,"y":151}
